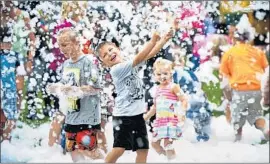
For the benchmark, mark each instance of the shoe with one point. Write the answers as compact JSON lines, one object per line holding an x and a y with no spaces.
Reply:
{"x":204,"y":137}
{"x":238,"y":137}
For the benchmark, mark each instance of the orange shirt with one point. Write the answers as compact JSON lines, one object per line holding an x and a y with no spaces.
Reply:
{"x":243,"y":64}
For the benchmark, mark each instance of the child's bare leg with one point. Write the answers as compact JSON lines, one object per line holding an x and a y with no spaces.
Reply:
{"x":9,"y":126}
{"x":3,"y":120}
{"x":114,"y":155}
{"x":158,"y":148}
{"x":170,"y":152}
{"x":228,"y":114}
{"x":141,"y":155}
{"x":262,"y":125}
{"x":94,"y":154}
{"x":77,"y":155}
{"x":238,"y":135}
{"x":55,"y":130}
{"x":101,"y":136}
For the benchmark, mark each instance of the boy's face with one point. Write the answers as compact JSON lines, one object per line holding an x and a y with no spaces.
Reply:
{"x":109,"y":54}
{"x":67,"y":46}
{"x":163,"y":74}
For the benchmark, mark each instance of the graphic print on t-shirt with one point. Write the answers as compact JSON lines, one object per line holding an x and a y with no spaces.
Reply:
{"x":134,"y":88}
{"x":71,"y":77}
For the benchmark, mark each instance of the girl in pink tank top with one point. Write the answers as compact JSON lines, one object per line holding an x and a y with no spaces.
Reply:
{"x":169,"y":112}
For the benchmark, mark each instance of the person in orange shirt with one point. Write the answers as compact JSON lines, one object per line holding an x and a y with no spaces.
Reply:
{"x":242,"y":65}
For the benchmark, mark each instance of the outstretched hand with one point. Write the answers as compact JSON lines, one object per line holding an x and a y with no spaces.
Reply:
{"x":156,"y":37}
{"x":66,"y":89}
{"x":52,"y":88}
{"x":87,"y":88}
{"x":169,"y":34}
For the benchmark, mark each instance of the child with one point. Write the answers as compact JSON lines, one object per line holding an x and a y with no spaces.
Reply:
{"x":167,"y":109}
{"x":129,"y":126}
{"x":59,"y":58}
{"x":199,"y":109}
{"x":244,"y":83}
{"x":83,"y":114}
{"x":265,"y":103}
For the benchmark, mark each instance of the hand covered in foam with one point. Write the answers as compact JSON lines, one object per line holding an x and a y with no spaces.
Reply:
{"x":155,"y":37}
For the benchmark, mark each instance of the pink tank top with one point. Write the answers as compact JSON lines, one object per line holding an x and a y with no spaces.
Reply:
{"x":166,"y":92}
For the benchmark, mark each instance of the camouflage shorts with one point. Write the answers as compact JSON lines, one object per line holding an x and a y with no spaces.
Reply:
{"x":245,"y":105}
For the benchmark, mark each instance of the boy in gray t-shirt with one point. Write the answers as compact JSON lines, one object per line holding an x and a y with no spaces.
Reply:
{"x":129,"y":127}
{"x":79,"y":75}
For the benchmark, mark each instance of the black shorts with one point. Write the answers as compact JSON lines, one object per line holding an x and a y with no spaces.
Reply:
{"x":130,"y":132}
{"x":77,"y":128}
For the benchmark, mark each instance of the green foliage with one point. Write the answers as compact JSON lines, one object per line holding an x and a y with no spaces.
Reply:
{"x":216,"y":113}
{"x":24,"y":111}
{"x":213,"y":92}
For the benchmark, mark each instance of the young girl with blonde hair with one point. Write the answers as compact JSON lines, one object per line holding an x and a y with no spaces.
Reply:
{"x":169,"y":106}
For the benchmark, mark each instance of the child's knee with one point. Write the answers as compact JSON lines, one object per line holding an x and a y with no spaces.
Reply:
{"x":155,"y":143}
{"x":142,"y":152}
{"x":168,"y":143}
{"x":260,"y":123}
{"x":95,"y":154}
{"x":168,"y":146}
{"x":118,"y":152}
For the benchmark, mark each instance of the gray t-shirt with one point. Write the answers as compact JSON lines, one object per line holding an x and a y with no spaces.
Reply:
{"x":85,"y":110}
{"x":129,"y":90}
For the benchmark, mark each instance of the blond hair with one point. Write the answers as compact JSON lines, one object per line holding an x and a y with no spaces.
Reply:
{"x":163,"y":63}
{"x":72,"y":34}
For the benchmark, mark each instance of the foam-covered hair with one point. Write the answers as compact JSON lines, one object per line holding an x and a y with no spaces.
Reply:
{"x":73,"y":35}
{"x":162,"y":62}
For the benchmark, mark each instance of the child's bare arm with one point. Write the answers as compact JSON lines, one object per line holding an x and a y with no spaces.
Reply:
{"x":160,"y":44}
{"x":181,"y":113}
{"x":89,"y":90}
{"x":140,"y":57}
{"x":151,"y":113}
{"x":53,"y":88}
{"x":181,"y":97}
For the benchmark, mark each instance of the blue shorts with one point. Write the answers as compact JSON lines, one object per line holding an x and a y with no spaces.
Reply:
{"x":9,"y":62}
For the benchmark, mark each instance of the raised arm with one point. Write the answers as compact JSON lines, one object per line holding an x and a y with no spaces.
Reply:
{"x":141,"y":56}
{"x":160,"y":44}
